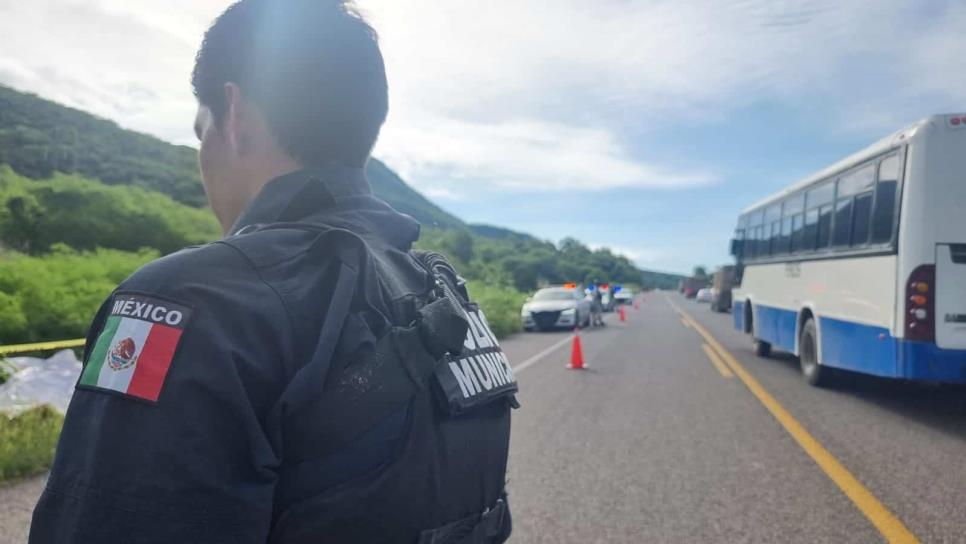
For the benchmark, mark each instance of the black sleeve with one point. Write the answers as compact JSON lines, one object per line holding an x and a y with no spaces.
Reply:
{"x":165,"y":438}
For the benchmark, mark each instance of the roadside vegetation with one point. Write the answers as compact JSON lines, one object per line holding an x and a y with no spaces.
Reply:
{"x":54,"y":296}
{"x":500,"y":305}
{"x":28,"y":441}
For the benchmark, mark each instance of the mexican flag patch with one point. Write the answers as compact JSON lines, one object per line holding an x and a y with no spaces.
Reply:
{"x":136,"y":346}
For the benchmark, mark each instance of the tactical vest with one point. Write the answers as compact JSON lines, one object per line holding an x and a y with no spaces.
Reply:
{"x":441,"y":370}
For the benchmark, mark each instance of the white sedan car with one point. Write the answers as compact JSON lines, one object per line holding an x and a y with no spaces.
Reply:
{"x":704,"y":295}
{"x":556,"y":308}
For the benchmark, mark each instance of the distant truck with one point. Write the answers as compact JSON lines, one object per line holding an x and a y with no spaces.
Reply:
{"x":721,"y":285}
{"x":691,"y":286}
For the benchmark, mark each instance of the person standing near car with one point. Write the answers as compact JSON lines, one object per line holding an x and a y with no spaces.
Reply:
{"x":597,"y":307}
{"x":307,"y":378}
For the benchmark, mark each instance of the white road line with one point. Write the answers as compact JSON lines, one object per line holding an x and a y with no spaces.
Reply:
{"x":522,"y":366}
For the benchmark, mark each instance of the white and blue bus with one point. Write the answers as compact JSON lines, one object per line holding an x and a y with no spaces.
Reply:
{"x":862,"y":266}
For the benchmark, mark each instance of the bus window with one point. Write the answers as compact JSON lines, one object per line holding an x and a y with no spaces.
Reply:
{"x":857,"y":181}
{"x":821,"y":195}
{"x":824,"y":226}
{"x":773,"y":229}
{"x":773,"y":213}
{"x":861,"y":215}
{"x":798,"y":233}
{"x":784,"y":237}
{"x":794,"y":205}
{"x":843,"y":222}
{"x":810,"y":236}
{"x":886,"y":193}
{"x":739,"y":242}
{"x":775,"y":238}
{"x":819,"y":201}
{"x":753,"y":234}
{"x":853,"y":204}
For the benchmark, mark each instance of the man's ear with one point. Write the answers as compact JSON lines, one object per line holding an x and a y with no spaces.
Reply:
{"x":237,"y":120}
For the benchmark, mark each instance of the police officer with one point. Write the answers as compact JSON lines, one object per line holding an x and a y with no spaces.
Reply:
{"x":308,"y":378}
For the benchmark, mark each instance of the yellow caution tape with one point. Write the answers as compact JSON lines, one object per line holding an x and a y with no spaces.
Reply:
{"x":41,"y":346}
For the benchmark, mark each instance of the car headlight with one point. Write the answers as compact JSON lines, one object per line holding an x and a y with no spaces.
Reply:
{"x":571,"y":311}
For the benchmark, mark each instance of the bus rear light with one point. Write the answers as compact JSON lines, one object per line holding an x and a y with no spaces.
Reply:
{"x":920,"y":304}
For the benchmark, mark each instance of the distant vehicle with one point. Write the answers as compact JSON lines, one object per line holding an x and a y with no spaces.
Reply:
{"x":703,"y":295}
{"x":624,"y":297}
{"x":690,"y":286}
{"x":721,"y":285}
{"x":607,"y":301}
{"x":862,"y":266}
{"x":607,"y":297}
{"x":556,"y":307}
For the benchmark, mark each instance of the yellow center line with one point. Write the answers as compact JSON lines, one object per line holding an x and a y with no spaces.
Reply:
{"x":685,"y":323}
{"x":717,"y":362}
{"x":894,"y":531}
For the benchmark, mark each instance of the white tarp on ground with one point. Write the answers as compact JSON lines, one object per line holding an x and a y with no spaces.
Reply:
{"x":40,"y":381}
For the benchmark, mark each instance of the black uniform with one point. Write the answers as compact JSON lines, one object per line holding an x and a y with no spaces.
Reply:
{"x":307,"y":379}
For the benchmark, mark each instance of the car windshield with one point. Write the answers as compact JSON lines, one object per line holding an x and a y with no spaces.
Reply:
{"x":554,"y":294}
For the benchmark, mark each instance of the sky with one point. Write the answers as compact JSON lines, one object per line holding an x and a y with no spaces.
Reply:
{"x":643,"y":126}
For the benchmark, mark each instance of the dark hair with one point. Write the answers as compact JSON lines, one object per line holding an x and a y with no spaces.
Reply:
{"x":312,"y":66}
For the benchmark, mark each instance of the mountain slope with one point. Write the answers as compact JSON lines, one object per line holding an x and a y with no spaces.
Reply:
{"x":39,"y":137}
{"x":388,"y":186}
{"x":500,"y":233}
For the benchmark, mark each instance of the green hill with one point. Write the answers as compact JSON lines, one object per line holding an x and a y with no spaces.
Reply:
{"x":500,"y":233}
{"x":43,"y":140}
{"x":391,"y":188}
{"x":39,"y":137}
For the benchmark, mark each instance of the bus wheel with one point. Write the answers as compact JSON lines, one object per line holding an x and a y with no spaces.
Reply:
{"x":761,"y":348}
{"x":815,"y":374}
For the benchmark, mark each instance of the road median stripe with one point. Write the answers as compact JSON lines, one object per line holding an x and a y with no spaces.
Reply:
{"x":685,"y":323}
{"x":885,"y":521}
{"x":536,"y":358}
{"x":717,"y":362}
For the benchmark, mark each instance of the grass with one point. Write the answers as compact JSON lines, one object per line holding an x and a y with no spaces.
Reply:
{"x":6,"y":370}
{"x":28,"y":441}
{"x":501,"y":306}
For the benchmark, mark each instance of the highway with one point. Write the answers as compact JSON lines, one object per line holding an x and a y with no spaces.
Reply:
{"x":677,"y":433}
{"x":657,"y":443}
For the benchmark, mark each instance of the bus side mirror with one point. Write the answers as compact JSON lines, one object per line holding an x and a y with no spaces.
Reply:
{"x":735,"y":247}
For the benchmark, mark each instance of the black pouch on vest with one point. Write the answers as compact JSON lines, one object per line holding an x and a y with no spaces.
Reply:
{"x":472,"y":369}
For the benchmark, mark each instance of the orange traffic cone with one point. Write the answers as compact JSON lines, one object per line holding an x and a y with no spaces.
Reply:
{"x":576,"y":353}
{"x":623,"y":315}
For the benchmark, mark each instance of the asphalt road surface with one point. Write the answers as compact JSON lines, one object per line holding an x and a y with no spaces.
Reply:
{"x":657,"y":443}
{"x":677,"y":433}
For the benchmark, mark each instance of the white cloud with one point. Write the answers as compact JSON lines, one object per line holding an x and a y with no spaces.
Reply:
{"x":466,"y":75}
{"x":523,"y":154}
{"x":534,"y":94}
{"x":108,"y":57}
{"x":643,"y":257}
{"x":443,"y":193}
